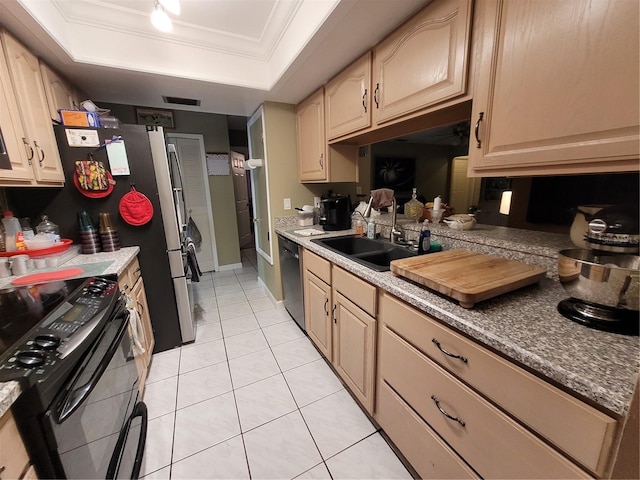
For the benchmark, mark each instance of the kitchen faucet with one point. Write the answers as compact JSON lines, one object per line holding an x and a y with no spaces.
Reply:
{"x":395,"y":234}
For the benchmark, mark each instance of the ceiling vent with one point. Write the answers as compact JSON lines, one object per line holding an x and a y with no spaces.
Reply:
{"x":182,"y":101}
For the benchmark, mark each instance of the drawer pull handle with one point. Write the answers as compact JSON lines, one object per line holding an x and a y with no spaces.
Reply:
{"x":326,"y":301}
{"x":477,"y":130}
{"x":442,"y":411}
{"x":449,"y":354}
{"x":333,"y":314}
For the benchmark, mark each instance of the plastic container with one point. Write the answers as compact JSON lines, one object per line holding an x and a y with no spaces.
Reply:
{"x":424,"y":244}
{"x":49,"y":228}
{"x":13,"y":232}
{"x":371,"y":229}
{"x":27,"y":231}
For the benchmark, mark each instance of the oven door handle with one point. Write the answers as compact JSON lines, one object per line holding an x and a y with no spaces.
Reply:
{"x":140,"y":410}
{"x":73,"y":398}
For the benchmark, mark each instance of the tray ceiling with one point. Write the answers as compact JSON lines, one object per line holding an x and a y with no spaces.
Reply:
{"x":230,"y":54}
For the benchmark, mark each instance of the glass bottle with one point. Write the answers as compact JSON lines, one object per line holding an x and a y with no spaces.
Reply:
{"x":413,"y":209}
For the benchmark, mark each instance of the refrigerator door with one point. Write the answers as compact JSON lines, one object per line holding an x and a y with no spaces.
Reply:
{"x":171,"y":197}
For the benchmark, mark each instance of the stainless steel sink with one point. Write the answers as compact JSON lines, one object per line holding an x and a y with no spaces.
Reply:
{"x":375,"y":254}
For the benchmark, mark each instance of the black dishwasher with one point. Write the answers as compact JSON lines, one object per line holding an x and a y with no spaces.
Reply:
{"x":291,"y":273}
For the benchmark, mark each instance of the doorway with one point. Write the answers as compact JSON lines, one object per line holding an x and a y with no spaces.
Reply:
{"x":191,"y":155}
{"x":240,"y":188}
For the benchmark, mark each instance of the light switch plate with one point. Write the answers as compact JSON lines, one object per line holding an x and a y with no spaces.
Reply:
{"x":287,"y":204}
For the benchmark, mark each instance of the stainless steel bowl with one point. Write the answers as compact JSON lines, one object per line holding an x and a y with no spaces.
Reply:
{"x":608,"y":280}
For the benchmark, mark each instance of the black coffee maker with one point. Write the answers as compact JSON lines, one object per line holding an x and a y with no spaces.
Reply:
{"x":335,"y":213}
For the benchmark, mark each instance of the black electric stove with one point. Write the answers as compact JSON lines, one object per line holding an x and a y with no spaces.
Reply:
{"x":42,"y":325}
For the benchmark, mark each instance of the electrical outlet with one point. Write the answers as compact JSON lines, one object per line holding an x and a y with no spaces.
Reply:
{"x":358,"y":189}
{"x":316,"y":202}
{"x":287,"y":204}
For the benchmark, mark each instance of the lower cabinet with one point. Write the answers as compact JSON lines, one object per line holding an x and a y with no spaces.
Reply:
{"x":14,"y":461}
{"x":132,"y":285}
{"x":340,"y":323}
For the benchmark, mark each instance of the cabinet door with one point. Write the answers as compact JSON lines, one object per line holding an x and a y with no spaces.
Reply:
{"x":354,"y":352}
{"x":60,"y":94}
{"x":317,"y":306}
{"x":13,"y":139}
{"x":312,"y":161}
{"x":557,"y":88}
{"x":347,"y":99}
{"x":424,"y":62}
{"x":24,"y":70}
{"x":13,"y":455}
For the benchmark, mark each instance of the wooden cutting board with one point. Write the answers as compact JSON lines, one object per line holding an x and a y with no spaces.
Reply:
{"x":467,"y":276}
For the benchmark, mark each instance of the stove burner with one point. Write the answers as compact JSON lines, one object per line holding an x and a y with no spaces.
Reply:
{"x":625,"y":322}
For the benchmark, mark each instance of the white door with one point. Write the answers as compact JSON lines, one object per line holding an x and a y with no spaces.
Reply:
{"x":242,"y":199}
{"x":192,"y":160}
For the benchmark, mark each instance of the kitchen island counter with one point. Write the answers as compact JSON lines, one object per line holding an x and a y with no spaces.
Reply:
{"x":524,"y":326}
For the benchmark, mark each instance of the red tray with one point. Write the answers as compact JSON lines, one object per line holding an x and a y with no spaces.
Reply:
{"x":46,"y":276}
{"x":62,"y":246}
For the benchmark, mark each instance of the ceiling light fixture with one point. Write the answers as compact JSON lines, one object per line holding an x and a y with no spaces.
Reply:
{"x":171,"y":6}
{"x":160,"y":19}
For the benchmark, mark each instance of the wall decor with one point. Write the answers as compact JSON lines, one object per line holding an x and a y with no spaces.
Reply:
{"x":155,"y":116}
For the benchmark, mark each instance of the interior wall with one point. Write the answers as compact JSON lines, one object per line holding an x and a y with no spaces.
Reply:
{"x":213,"y":128}
{"x":281,"y":152}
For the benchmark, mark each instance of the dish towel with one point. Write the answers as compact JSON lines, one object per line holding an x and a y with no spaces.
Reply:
{"x":136,"y":332}
{"x":192,"y":261}
{"x":382,"y":197}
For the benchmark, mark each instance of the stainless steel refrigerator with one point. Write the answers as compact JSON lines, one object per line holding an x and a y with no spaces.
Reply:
{"x":161,"y":256}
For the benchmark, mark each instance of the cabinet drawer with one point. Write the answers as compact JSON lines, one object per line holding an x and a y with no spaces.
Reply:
{"x":317,"y":265}
{"x":581,"y":431}
{"x":361,"y":293}
{"x":493,"y":444}
{"x":13,"y":456}
{"x":131,"y":274}
{"x":414,"y":437}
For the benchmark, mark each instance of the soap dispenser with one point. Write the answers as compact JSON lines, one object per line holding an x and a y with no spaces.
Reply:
{"x":424,"y":244}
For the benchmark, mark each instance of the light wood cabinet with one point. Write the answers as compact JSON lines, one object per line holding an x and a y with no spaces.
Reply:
{"x":131,"y":284}
{"x":412,"y":341}
{"x":317,"y":161}
{"x":317,"y":302}
{"x":491,"y":442}
{"x":339,"y":317}
{"x":424,"y":62}
{"x":347,"y":99}
{"x":60,"y":94}
{"x":14,"y":140}
{"x":14,"y":460}
{"x":26,"y":79}
{"x":557,"y":88}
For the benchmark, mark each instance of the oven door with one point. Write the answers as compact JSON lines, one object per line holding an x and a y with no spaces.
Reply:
{"x":97,"y":425}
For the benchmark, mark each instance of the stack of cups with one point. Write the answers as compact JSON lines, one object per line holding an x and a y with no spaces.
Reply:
{"x":108,"y":234}
{"x":89,"y":238}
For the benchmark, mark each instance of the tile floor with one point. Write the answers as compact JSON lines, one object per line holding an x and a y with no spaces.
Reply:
{"x":252,"y":398}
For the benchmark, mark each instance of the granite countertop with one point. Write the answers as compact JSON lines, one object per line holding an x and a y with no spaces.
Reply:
{"x":523,"y":325}
{"x":105,"y":263}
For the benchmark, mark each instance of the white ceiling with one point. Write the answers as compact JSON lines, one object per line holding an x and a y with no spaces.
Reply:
{"x":230,"y":54}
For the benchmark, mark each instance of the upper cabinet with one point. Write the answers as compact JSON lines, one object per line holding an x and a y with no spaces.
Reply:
{"x":28,"y":88}
{"x":424,"y":62}
{"x":317,"y":161}
{"x":60,"y":94}
{"x":312,"y":145}
{"x":347,"y":99}
{"x":557,"y":90}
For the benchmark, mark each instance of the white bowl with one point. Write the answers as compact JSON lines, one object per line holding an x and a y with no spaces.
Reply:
{"x":460,"y":222}
{"x":39,"y":241}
